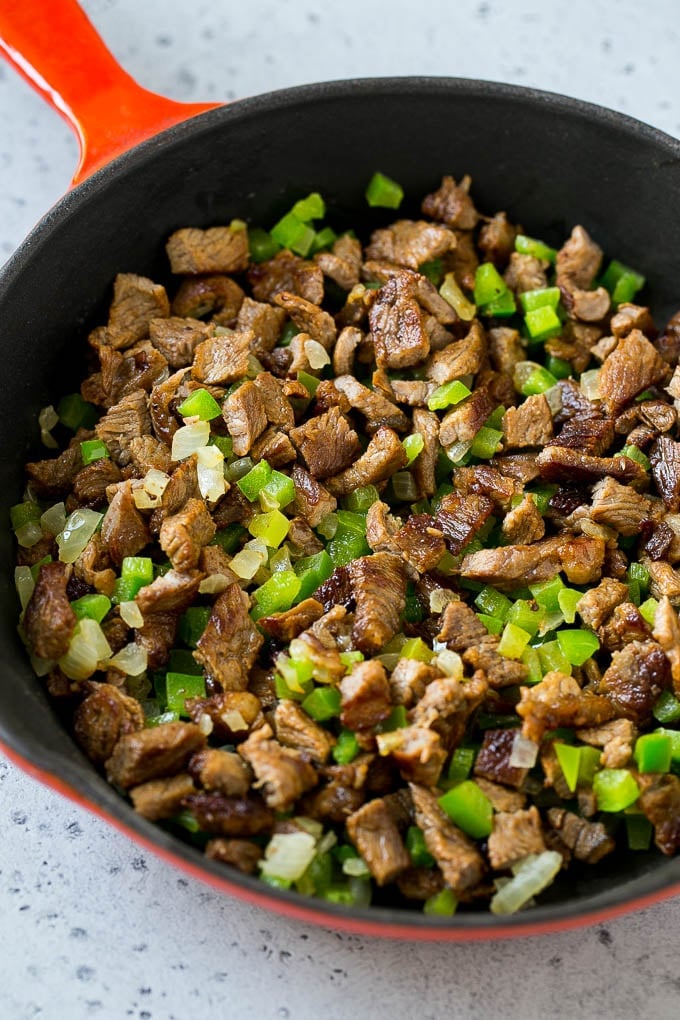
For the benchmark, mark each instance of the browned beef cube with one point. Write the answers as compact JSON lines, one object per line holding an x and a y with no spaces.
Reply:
{"x":374,"y":833}
{"x":515,"y":835}
{"x":228,"y":646}
{"x":153,"y":753}
{"x":49,"y":620}
{"x":216,"y":250}
{"x":103,"y":717}
{"x":161,"y":798}
{"x":366,"y":698}
{"x":220,"y":772}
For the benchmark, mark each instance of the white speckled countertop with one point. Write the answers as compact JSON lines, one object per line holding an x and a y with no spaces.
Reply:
{"x":92,"y":926}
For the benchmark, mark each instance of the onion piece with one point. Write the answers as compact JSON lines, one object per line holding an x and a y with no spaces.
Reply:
{"x":47,"y":419}
{"x":214,"y":584}
{"x":531,"y":875}
{"x":405,"y":487}
{"x":288,"y":855}
{"x":450,"y":663}
{"x":29,"y":534}
{"x":87,"y":649}
{"x":24,"y":584}
{"x":190,"y":438}
{"x":317,"y":355}
{"x":78,"y":530}
{"x":131,"y":614}
{"x":355,"y":866}
{"x":590,"y":384}
{"x":53,"y":520}
{"x":440,"y":598}
{"x":524,"y":752}
{"x":210,"y":471}
{"x":454,"y":296}
{"x":131,"y":660}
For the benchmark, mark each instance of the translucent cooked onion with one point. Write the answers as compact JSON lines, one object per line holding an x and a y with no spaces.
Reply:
{"x":131,"y":614}
{"x":355,"y":866}
{"x":317,"y":355}
{"x":328,"y":525}
{"x":210,"y":471}
{"x":53,"y":520}
{"x":190,"y":438}
{"x":590,"y":384}
{"x":554,"y":397}
{"x":456,"y":451}
{"x":214,"y":584}
{"x":246,"y":563}
{"x":531,"y":875}
{"x":28,"y":534}
{"x":87,"y":649}
{"x":47,"y":419}
{"x":78,"y":530}
{"x":131,"y":660}
{"x":450,"y":663}
{"x":524,"y":752}
{"x":143,"y":499}
{"x":440,"y":598}
{"x":238,"y":468}
{"x":155,"y":482}
{"x":310,"y":825}
{"x":280,"y":560}
{"x":452,"y":293}
{"x":288,"y":855}
{"x":24,"y":584}
{"x":405,"y":487}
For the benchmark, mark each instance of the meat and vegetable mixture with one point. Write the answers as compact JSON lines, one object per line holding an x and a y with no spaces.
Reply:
{"x":359,"y":562}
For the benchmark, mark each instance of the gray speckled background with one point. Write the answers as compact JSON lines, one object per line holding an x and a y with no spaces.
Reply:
{"x":90,"y":925}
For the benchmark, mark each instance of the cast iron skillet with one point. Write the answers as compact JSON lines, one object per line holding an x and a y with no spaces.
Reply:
{"x":549,"y":161}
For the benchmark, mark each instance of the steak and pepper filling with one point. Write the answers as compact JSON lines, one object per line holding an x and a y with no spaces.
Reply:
{"x":359,"y":561}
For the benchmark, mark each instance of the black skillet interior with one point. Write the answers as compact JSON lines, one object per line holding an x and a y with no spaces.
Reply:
{"x":548,"y":161}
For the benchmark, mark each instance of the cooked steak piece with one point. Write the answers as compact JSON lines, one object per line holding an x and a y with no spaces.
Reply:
{"x":459,"y":518}
{"x":90,"y":484}
{"x":222,"y":359}
{"x":321,"y":641}
{"x":485,"y":481}
{"x":619,"y":506}
{"x":228,"y":646}
{"x":633,"y":366}
{"x":592,"y":436}
{"x":638,"y":674}
{"x":177,"y":338}
{"x":509,"y":566}
{"x":312,"y":501}
{"x":596,"y":605}
{"x":378,"y":584}
{"x":170,"y":591}
{"x":136,"y":301}
{"x":408,"y":681}
{"x":562,"y":464}
{"x":497,"y":239}
{"x":460,"y":861}
{"x":588,"y":841}
{"x":212,"y":294}
{"x":447,"y":704}
{"x":629,"y":316}
{"x":286,"y":625}
{"x":530,"y":424}
{"x":397,"y":324}
{"x":462,"y":423}
{"x":458,"y":359}
{"x":667,"y":633}
{"x":626,"y":624}
{"x":154,"y":753}
{"x":410,"y":243}
{"x":525,"y":272}
{"x":93,"y":566}
{"x":245,"y":417}
{"x":164,"y":399}
{"x":345,"y":347}
{"x":294,"y":728}
{"x":54,"y":477}
{"x":230,"y":816}
{"x":665,"y":460}
{"x":383,"y":456}
{"x":664,"y":580}
{"x":279,"y":274}
{"x":366,"y":696}
{"x":140,"y":367}
{"x":493,"y":760}
{"x":376,"y":408}
{"x":122,"y":423}
{"x":414,"y":392}
{"x":273,"y":446}
{"x":502,"y":798}
{"x":309,"y":318}
{"x":216,"y":250}
{"x":426,"y":424}
{"x":183,"y":485}
{"x":418,"y":753}
{"x":579,"y":259}
{"x":220,"y":771}
{"x":233,"y":714}
{"x":616,"y":738}
{"x":49,"y":620}
{"x":524,"y":524}
{"x":343,"y":263}
{"x":515,"y":834}
{"x":327,"y":443}
{"x":376,"y":836}
{"x":102,"y":718}
{"x":157,"y":637}
{"x":161,"y":798}
{"x":451,"y":204}
{"x":237,"y":853}
{"x":660,"y":802}
{"x":263,"y":321}
{"x":559,"y":701}
{"x":124,"y":530}
{"x":420,"y":542}
{"x":460,"y":627}
{"x":183,"y":535}
{"x":278,"y":410}
{"x":282,"y":773}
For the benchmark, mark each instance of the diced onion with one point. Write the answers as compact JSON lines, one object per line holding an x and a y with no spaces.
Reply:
{"x":131,"y":614}
{"x":205,"y":724}
{"x":232,"y":718}
{"x":317,"y":355}
{"x":214,"y":584}
{"x":254,"y":367}
{"x":405,"y":487}
{"x":88,"y":647}
{"x":155,"y":482}
{"x":454,"y":296}
{"x":310,"y":825}
{"x":78,"y":530}
{"x":456,"y":451}
{"x":246,"y":563}
{"x":53,"y":520}
{"x":554,"y":397}
{"x":190,"y":438}
{"x":41,"y":667}
{"x":24,"y":583}
{"x":450,"y":663}
{"x":280,"y":560}
{"x":328,"y":525}
{"x":355,"y":866}
{"x":47,"y":419}
{"x":531,"y":875}
{"x":388,"y":742}
{"x":288,"y":855}
{"x":327,"y":842}
{"x":524,"y":752}
{"x":238,"y":468}
{"x":28,"y":534}
{"x":143,"y":499}
{"x":440,"y":598}
{"x":590,"y":384}
{"x":210,"y":471}
{"x":131,"y":660}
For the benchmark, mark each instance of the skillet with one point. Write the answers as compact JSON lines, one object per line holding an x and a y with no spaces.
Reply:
{"x":547,"y":160}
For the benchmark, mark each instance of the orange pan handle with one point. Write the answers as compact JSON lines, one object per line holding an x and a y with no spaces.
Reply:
{"x":57,"y":50}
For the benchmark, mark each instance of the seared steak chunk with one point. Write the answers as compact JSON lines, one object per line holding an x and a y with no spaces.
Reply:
{"x":238,"y":853}
{"x":49,"y":620}
{"x":376,"y":408}
{"x":161,"y":798}
{"x":452,"y":204}
{"x":216,"y":250}
{"x":222,"y":359}
{"x":366,"y":696}
{"x":153,"y":753}
{"x":374,"y":833}
{"x":562,"y":464}
{"x":157,"y":637}
{"x":183,"y":535}
{"x":493,"y":759}
{"x":177,"y":338}
{"x":665,"y":460}
{"x":230,"y":816}
{"x":124,"y":531}
{"x":459,"y":518}
{"x":244,"y":414}
{"x":633,"y":366}
{"x":378,"y":584}
{"x":209,"y":294}
{"x":619,"y":506}
{"x":383,"y":456}
{"x":220,"y":771}
{"x":397,"y":324}
{"x":294,"y":728}
{"x":530,"y":424}
{"x":458,"y":359}
{"x":599,"y":603}
{"x":282,"y":773}
{"x":102,"y":718}
{"x":460,"y":861}
{"x":170,"y":591}
{"x":515,"y":835}
{"x":588,"y":841}
{"x":309,"y":318}
{"x":559,"y":701}
{"x":228,"y":646}
{"x":660,"y":802}
{"x":638,"y":674}
{"x":410,"y":243}
{"x":327,"y":443}
{"x":122,"y":423}
{"x":136,"y":301}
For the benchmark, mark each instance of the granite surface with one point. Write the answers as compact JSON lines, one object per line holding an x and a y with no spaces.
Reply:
{"x":90,"y":925}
